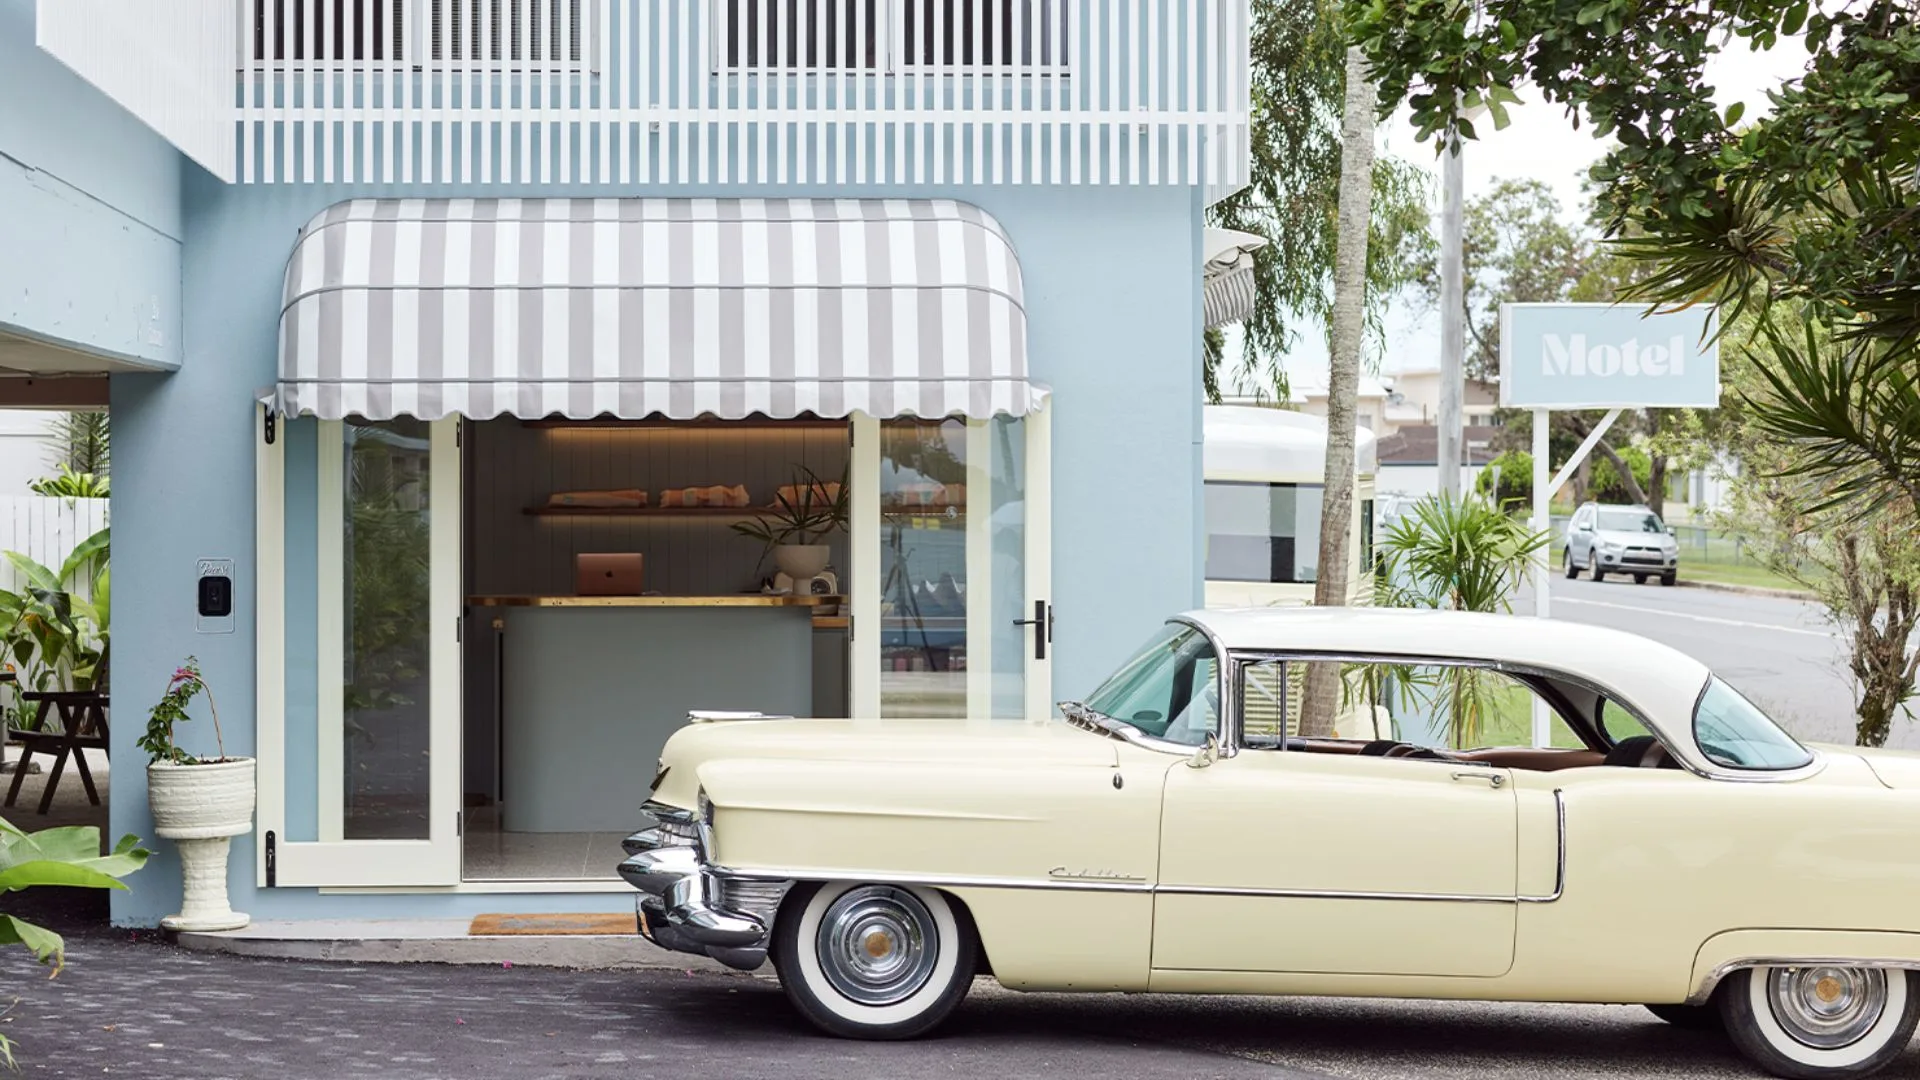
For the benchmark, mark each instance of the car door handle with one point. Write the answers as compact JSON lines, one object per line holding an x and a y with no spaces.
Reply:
{"x":1492,"y":778}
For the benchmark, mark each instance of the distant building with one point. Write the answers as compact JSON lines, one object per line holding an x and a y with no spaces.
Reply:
{"x":1410,"y":459}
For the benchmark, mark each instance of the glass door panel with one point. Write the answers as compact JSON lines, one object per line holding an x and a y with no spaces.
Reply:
{"x":386,"y":637}
{"x":1012,"y":632}
{"x":923,"y":568}
{"x":960,"y":569}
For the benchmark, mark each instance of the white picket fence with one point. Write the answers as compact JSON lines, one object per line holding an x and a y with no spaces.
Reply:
{"x":45,"y":530}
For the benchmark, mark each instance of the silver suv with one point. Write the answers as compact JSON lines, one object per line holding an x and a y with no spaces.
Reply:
{"x":1621,"y":540}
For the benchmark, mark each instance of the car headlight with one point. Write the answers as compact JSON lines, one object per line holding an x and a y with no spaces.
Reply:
{"x":1609,"y":545}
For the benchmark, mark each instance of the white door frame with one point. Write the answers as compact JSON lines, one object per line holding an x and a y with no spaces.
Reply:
{"x":1039,"y":556}
{"x":332,"y":860}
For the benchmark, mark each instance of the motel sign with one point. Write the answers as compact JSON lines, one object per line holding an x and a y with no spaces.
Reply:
{"x":1602,"y":356}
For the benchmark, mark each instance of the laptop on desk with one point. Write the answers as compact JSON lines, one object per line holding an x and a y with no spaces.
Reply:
{"x":607,"y":574}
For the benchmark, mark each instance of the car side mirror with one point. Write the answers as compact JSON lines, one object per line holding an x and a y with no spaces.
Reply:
{"x":1670,"y":531}
{"x":1208,"y":753}
{"x":1583,"y":527}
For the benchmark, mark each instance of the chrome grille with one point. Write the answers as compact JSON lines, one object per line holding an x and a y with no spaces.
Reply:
{"x":761,"y":899}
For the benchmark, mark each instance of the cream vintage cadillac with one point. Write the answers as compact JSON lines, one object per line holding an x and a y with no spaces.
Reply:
{"x":1674,"y":848}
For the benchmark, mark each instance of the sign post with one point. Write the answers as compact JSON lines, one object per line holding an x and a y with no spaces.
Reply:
{"x":1596,"y":356}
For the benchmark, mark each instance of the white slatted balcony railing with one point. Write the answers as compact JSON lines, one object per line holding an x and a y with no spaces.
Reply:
{"x":800,"y":92}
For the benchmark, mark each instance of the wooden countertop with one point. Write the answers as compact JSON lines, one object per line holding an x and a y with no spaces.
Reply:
{"x":735,"y":600}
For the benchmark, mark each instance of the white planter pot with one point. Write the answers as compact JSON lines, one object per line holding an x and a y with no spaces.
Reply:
{"x":201,"y":808}
{"x":802,"y":562}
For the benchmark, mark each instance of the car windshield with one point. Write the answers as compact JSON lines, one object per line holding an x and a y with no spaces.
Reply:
{"x":1629,"y":521}
{"x":1734,"y":733}
{"x":1168,"y":690}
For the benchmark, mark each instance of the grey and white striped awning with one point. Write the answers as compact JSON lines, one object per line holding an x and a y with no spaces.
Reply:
{"x":1227,"y":286}
{"x":653,"y":307}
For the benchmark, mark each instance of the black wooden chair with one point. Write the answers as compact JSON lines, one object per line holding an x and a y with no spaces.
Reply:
{"x":78,"y":723}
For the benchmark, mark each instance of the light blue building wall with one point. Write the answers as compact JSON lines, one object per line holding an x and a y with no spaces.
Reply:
{"x":1112,"y":300}
{"x":90,"y":212}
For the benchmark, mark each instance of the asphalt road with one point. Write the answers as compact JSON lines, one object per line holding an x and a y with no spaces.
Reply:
{"x":139,"y":1008}
{"x":1783,"y":654}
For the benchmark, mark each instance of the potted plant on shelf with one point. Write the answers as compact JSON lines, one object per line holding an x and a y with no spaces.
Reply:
{"x":199,"y":803}
{"x":802,"y":514}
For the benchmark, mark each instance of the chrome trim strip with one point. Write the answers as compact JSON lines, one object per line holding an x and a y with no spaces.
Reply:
{"x":1329,"y":894}
{"x":1227,"y":696}
{"x":1560,"y":854}
{"x":1705,"y":990}
{"x":886,"y":877}
{"x":1086,"y":719}
{"x":711,"y":716}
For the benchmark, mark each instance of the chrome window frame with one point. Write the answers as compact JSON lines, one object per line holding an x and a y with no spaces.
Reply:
{"x":1127,"y":733}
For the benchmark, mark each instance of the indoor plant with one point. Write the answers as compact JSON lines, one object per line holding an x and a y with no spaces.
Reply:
{"x":792,"y":528}
{"x":199,"y":803}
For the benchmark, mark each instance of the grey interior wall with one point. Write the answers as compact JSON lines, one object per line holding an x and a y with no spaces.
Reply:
{"x":593,"y":693}
{"x":515,"y":465}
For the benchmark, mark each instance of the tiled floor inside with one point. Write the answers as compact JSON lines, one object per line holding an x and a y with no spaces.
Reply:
{"x":494,"y":855}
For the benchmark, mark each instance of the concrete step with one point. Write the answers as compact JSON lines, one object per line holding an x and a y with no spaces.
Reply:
{"x":438,"y":941}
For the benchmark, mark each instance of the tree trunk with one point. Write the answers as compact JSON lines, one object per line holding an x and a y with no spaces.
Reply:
{"x":1884,"y":611}
{"x":1322,"y":693}
{"x":1656,"y":468}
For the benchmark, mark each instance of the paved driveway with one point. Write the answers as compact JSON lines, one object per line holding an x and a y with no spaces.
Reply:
{"x":131,"y":1006}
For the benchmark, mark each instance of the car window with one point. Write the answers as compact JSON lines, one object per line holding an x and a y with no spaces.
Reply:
{"x":1640,"y":521}
{"x":1617,"y":723}
{"x":1461,"y":708}
{"x":1168,"y":690}
{"x":1734,"y":733}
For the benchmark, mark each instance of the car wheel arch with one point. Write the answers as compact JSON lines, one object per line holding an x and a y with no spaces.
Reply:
{"x":795,"y":901}
{"x":1728,"y":951}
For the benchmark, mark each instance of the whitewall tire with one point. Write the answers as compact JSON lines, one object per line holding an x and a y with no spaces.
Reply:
{"x":873,"y":961}
{"x":1820,"y":1021}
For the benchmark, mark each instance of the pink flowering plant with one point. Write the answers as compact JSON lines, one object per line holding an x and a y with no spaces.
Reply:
{"x":185,"y":684}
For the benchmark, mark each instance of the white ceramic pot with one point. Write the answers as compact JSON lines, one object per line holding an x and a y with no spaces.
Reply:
{"x":802,"y":562}
{"x":201,"y":808}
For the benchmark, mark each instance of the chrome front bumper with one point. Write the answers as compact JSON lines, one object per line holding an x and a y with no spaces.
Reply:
{"x":685,"y":904}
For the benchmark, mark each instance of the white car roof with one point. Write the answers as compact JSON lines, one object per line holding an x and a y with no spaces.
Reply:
{"x":1660,"y":683}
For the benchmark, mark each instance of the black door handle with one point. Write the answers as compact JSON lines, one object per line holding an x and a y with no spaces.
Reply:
{"x":1042,"y":623}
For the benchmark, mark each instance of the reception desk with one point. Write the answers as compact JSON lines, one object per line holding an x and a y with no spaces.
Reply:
{"x":592,"y":686}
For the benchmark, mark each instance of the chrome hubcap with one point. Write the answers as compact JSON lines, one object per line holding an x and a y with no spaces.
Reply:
{"x":1827,"y":1007}
{"x":877,"y":944}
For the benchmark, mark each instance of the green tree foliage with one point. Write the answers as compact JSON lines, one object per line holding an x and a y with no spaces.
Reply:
{"x":72,"y":485}
{"x":1812,"y":211}
{"x":78,"y":443}
{"x":1610,"y":487}
{"x":58,"y":623}
{"x":1513,"y":471}
{"x":1298,"y":85}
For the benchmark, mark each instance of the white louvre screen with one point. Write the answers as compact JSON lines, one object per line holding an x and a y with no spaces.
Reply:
{"x":168,"y":62}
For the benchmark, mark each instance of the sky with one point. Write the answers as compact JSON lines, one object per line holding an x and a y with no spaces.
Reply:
{"x":1540,"y":144}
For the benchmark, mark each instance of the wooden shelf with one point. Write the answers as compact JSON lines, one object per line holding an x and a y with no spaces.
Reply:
{"x":647,"y":511}
{"x":735,"y":600}
{"x":703,"y":424}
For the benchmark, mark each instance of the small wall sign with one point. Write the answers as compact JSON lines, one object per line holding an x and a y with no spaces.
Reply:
{"x":213,"y":596}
